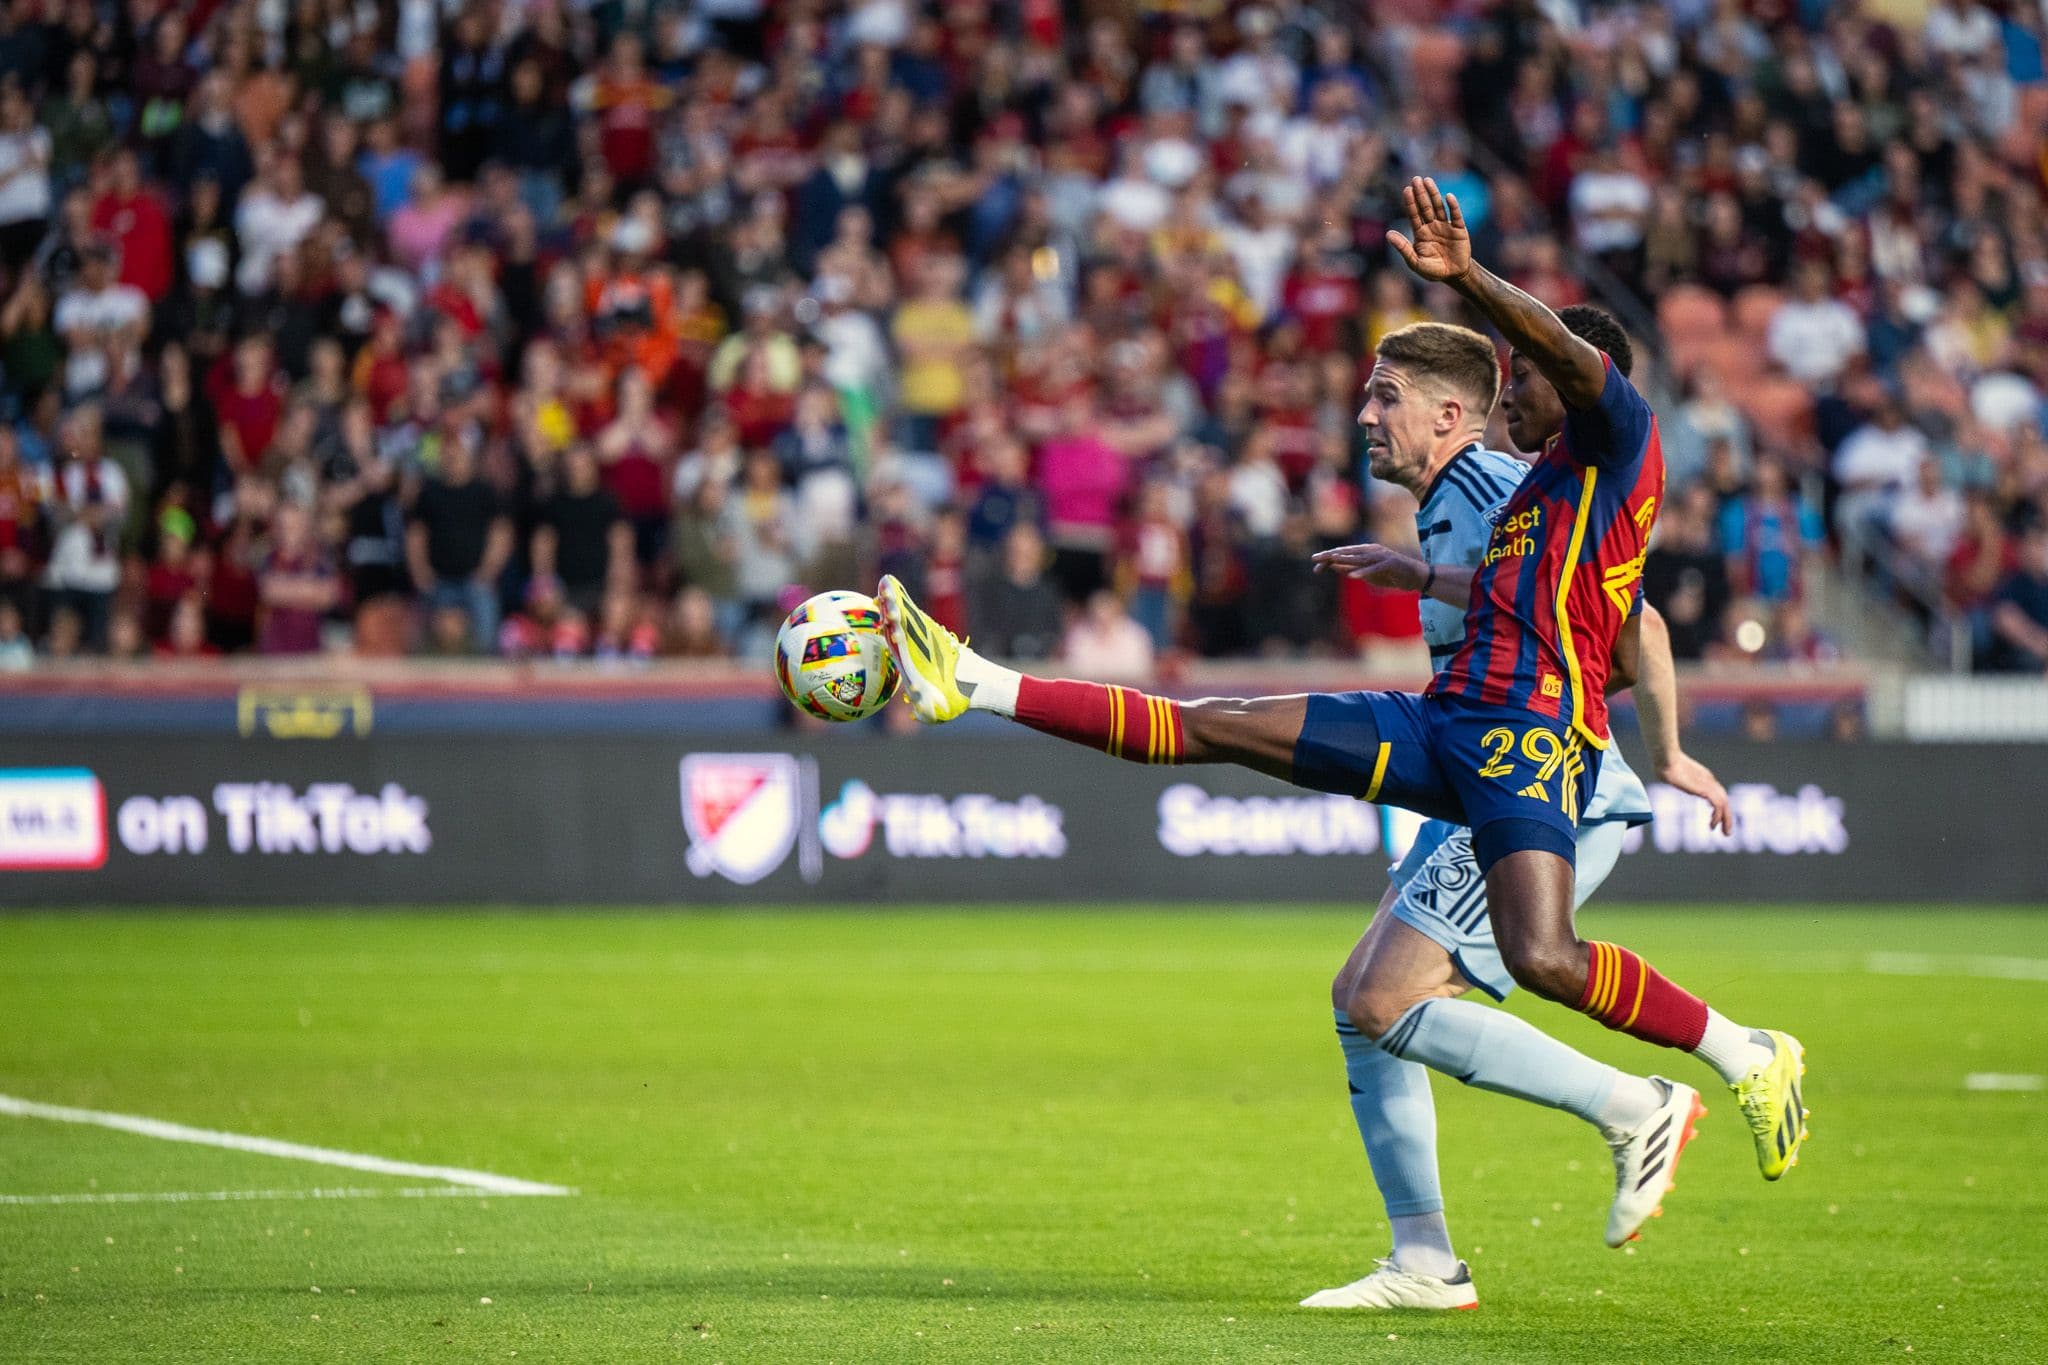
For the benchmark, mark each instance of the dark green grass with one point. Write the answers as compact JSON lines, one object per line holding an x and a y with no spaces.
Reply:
{"x":960,"y":1136}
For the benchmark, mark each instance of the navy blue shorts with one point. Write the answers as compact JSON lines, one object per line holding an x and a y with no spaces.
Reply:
{"x":1517,"y":779}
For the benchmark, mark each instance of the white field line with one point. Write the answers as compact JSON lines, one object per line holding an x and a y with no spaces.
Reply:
{"x":1954,"y":964}
{"x":2004,"y":1080}
{"x":263,"y":1146}
{"x":238,"y":1196}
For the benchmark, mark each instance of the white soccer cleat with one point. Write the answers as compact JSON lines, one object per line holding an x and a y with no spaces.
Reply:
{"x":1646,"y":1159}
{"x":1389,"y":1286}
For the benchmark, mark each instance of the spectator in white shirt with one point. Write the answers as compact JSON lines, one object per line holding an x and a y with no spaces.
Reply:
{"x":856,"y":353}
{"x":1317,"y":147}
{"x":1186,"y":81}
{"x":277,"y":212}
{"x":1262,"y":249}
{"x":1873,"y":465}
{"x":98,"y":319}
{"x":1927,"y":519}
{"x":1814,"y":335}
{"x":1104,"y":642}
{"x":1960,"y":28}
{"x":1258,"y":489}
{"x":1260,"y":75}
{"x":1610,"y":205}
{"x":88,"y":504}
{"x":25,"y":200}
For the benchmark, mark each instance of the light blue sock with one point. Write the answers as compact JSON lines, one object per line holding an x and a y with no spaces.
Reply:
{"x":1396,"y":1116}
{"x":1493,"y":1050}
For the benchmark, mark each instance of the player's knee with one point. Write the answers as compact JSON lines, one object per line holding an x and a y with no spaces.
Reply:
{"x":1340,"y":988}
{"x":1553,"y":968}
{"x":1215,"y":727}
{"x":1374,"y":1008}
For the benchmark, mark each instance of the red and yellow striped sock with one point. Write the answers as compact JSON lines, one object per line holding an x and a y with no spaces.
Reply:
{"x":1629,"y":995}
{"x":1121,"y":721}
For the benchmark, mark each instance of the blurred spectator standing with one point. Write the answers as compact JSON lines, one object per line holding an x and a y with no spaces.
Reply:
{"x":25,"y":179}
{"x":99,"y":319}
{"x":1769,"y":535}
{"x":459,"y":542}
{"x":1018,"y":608}
{"x":584,"y":542}
{"x":87,"y":504}
{"x":1685,"y":574}
{"x":298,"y":585}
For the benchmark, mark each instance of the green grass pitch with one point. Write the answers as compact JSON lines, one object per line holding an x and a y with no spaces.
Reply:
{"x":972,"y":1135}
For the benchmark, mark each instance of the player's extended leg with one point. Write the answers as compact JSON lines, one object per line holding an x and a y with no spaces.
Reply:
{"x":945,"y":679}
{"x":1529,"y":894}
{"x":1399,"y":988}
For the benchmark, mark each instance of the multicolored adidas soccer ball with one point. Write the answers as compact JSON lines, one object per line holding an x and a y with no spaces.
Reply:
{"x":831,"y":659}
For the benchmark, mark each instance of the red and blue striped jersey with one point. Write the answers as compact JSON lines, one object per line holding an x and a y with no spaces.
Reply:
{"x":1564,"y":567}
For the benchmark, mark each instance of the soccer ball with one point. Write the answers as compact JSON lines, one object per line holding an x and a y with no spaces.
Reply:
{"x":831,"y":659}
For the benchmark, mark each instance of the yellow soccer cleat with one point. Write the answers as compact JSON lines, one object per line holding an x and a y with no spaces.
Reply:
{"x":1772,"y":1104}
{"x":927,"y":655}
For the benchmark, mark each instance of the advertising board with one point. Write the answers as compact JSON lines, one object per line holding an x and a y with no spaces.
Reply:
{"x":472,"y":820}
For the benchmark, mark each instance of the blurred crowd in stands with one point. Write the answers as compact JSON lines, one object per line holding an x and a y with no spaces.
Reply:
{"x":574,"y":328}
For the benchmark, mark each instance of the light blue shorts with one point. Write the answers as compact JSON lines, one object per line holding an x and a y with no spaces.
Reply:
{"x":1443,"y":897}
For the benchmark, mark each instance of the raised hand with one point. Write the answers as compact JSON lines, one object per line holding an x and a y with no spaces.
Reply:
{"x":1438,"y":247}
{"x":1376,"y":564}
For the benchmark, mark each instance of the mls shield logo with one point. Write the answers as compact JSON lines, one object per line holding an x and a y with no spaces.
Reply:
{"x":742,"y":813}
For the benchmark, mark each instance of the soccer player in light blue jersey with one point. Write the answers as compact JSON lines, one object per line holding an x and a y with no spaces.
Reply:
{"x":1432,"y":937}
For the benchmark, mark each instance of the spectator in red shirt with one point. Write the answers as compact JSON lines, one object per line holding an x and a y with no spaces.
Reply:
{"x":133,"y":214}
{"x":20,"y":500}
{"x":175,"y":573}
{"x":626,"y":103}
{"x":1983,"y":555}
{"x":380,"y":370}
{"x":249,"y":400}
{"x":232,"y":601}
{"x":1324,"y":293}
{"x":637,"y":451}
{"x":1152,"y":565}
{"x":297,"y":584}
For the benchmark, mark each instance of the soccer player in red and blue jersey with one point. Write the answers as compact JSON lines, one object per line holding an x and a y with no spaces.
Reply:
{"x":1507,"y":740}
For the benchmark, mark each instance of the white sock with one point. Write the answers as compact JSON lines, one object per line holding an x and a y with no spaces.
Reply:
{"x":1422,"y":1244}
{"x":1629,"y":1104}
{"x":1731,"y":1049}
{"x":989,"y":687}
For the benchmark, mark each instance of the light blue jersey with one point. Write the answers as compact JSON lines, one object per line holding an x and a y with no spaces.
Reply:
{"x":1442,"y":895}
{"x":1454,"y":522}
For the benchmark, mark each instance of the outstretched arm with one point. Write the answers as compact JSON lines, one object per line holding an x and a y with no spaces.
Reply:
{"x":1656,"y":694}
{"x":1439,"y":248}
{"x":1389,"y":568}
